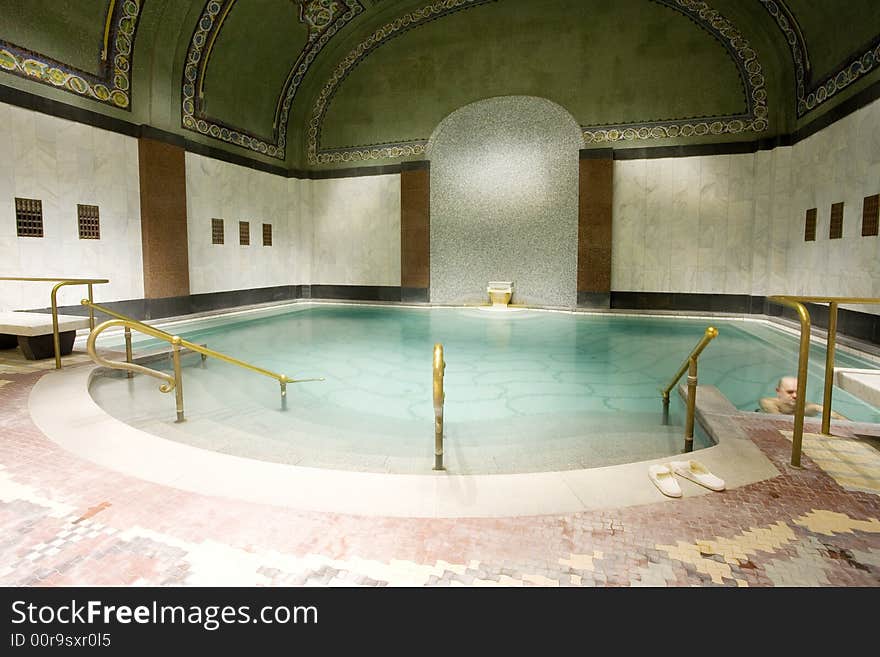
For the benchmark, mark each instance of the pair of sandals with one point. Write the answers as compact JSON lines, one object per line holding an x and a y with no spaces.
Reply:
{"x":663,"y":476}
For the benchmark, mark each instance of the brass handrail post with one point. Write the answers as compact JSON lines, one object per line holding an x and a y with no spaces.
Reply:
{"x":691,"y":361}
{"x":283,"y":385}
{"x":797,"y":436}
{"x":691,"y":405}
{"x":178,"y":377}
{"x":56,"y":338}
{"x":439,"y":398}
{"x":829,"y":368}
{"x":128,"y":358}
{"x":91,"y":310}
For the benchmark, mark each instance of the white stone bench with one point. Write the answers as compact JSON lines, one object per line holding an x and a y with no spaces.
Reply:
{"x":33,"y":333}
{"x":864,"y":384}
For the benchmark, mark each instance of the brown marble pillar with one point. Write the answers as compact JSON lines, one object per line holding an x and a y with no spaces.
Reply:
{"x":595,"y":195}
{"x":163,"y":219}
{"x":415,"y":233}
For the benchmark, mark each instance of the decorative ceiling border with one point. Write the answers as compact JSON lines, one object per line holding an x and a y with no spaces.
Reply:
{"x":324,"y":19}
{"x":112,"y":85}
{"x":810,"y":93}
{"x":745,"y":57}
{"x":754,"y":119}
{"x":388,"y":31}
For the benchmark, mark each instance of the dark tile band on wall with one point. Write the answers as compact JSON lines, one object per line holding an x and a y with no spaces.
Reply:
{"x":594,"y":300}
{"x":355,"y":292}
{"x":851,"y":323}
{"x":415,"y":295}
{"x":61,"y":110}
{"x":682,"y":301}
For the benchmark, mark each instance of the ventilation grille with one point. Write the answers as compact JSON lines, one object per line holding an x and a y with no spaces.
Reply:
{"x":267,"y":234}
{"x":810,"y":226}
{"x":870,"y":215}
{"x":835,"y":231}
{"x":89,"y":222}
{"x":29,"y":217}
{"x":216,"y":231}
{"x":244,"y":233}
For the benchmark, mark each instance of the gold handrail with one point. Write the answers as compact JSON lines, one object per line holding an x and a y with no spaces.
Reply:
{"x":689,"y":364}
{"x":797,"y":303}
{"x":176,"y":343}
{"x":439,"y":398}
{"x":56,"y":338}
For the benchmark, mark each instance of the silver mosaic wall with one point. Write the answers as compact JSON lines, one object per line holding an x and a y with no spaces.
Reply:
{"x":504,"y":202}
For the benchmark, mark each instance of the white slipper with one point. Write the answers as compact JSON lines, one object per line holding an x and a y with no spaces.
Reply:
{"x":663,"y":479}
{"x":697,"y":473}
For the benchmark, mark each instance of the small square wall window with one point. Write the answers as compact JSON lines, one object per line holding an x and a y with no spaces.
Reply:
{"x":835,"y":230}
{"x":89,"y":222}
{"x":216,"y":231}
{"x":870,"y":215}
{"x":267,"y":234}
{"x":244,"y":233}
{"x":810,"y":226}
{"x":29,"y":217}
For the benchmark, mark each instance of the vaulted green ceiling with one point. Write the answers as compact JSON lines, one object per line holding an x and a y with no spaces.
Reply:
{"x":329,"y":83}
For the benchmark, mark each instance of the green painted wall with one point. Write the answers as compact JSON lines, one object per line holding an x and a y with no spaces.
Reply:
{"x":835,"y":29}
{"x":594,"y":59}
{"x":70,"y":32}
{"x":603,"y":60}
{"x":252,"y":56}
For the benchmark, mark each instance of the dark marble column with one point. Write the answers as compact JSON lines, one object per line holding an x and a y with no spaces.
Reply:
{"x":595,"y":196}
{"x":415,"y":233}
{"x":162,"y":170}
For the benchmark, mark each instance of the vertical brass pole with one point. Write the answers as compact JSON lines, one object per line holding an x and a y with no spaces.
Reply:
{"x":665,"y":408}
{"x":691,"y":405}
{"x":284,"y":395}
{"x":56,"y":338}
{"x":92,"y":311}
{"x":797,"y":436}
{"x":439,"y":398}
{"x":178,"y":377}
{"x":130,"y":375}
{"x":829,"y":368}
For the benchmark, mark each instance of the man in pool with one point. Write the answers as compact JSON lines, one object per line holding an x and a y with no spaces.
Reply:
{"x":785,"y":399}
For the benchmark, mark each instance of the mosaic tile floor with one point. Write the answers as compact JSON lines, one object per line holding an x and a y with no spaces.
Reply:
{"x":65,"y":521}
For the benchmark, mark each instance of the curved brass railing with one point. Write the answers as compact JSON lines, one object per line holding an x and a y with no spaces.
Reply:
{"x":689,"y":364}
{"x":797,"y":303}
{"x":439,"y":398}
{"x":177,"y":343}
{"x":56,"y":338}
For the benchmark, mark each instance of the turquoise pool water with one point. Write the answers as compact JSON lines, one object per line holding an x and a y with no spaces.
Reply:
{"x":525,"y":391}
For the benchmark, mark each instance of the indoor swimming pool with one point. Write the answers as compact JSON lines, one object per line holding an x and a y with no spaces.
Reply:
{"x":526,"y":391}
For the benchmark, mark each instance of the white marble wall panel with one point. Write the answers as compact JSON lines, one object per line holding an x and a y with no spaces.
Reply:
{"x":839,"y":164}
{"x":299,"y":219}
{"x":355,"y":225}
{"x":628,"y":247}
{"x":219,"y":190}
{"x":746,"y":225}
{"x":63,"y":164}
{"x":683,"y":225}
